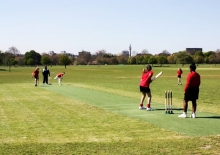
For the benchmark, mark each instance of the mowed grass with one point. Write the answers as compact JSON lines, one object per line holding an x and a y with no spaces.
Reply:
{"x":39,"y":121}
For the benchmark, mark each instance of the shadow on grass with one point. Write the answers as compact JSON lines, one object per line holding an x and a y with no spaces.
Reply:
{"x":213,"y":117}
{"x":172,"y":109}
{"x":2,"y":69}
{"x":161,"y":66}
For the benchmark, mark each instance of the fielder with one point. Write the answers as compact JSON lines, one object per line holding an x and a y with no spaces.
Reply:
{"x":59,"y":77}
{"x":179,"y":73}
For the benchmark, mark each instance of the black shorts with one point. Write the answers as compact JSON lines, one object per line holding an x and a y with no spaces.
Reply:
{"x":191,"y":94}
{"x":179,"y":76}
{"x":36,"y":77}
{"x":144,"y":89}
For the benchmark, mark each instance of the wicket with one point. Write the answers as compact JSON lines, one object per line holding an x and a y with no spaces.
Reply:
{"x":168,"y":102}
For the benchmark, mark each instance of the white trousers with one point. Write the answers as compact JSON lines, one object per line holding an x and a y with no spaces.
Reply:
{"x":59,"y":79}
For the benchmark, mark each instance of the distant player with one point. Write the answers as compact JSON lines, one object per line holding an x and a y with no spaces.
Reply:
{"x":59,"y":77}
{"x":179,"y":74}
{"x":35,"y":75}
{"x":145,"y":87}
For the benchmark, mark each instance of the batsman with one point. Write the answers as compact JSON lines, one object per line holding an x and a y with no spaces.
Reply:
{"x":146,"y":79}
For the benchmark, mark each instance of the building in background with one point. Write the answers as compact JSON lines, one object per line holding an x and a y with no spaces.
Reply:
{"x":125,"y":53}
{"x":192,"y":51}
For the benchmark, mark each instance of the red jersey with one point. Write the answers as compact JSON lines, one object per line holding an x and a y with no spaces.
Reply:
{"x":179,"y":72}
{"x":146,"y":78}
{"x":36,"y":72}
{"x":193,"y":80}
{"x":60,"y":75}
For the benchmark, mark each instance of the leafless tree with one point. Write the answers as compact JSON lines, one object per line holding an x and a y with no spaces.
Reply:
{"x":55,"y":59}
{"x":164,"y":53}
{"x":217,"y":54}
{"x":13,"y":50}
{"x":145,"y":51}
{"x":134,"y":53}
{"x":84,"y":58}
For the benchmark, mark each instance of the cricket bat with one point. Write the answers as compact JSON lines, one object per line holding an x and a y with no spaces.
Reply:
{"x":155,"y":77}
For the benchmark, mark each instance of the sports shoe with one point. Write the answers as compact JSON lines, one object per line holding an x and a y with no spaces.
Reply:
{"x":140,"y":108}
{"x":182,"y":115}
{"x":193,"y":115}
{"x":150,"y":109}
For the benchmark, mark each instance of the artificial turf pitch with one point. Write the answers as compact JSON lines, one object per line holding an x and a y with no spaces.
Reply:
{"x":204,"y":124}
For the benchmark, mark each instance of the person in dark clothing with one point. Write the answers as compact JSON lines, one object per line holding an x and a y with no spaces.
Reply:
{"x":46,"y":73}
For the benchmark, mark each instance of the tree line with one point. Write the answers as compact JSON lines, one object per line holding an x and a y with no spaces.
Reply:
{"x":12,"y":57}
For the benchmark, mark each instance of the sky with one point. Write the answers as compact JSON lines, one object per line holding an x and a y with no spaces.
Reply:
{"x":110,"y":25}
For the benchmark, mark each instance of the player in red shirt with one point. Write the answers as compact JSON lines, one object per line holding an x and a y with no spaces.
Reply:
{"x":179,"y":73}
{"x":35,"y":75}
{"x":191,"y":91}
{"x":59,"y":77}
{"x":145,"y":87}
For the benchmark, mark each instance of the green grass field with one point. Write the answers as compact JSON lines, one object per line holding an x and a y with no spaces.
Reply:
{"x":95,"y":111}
